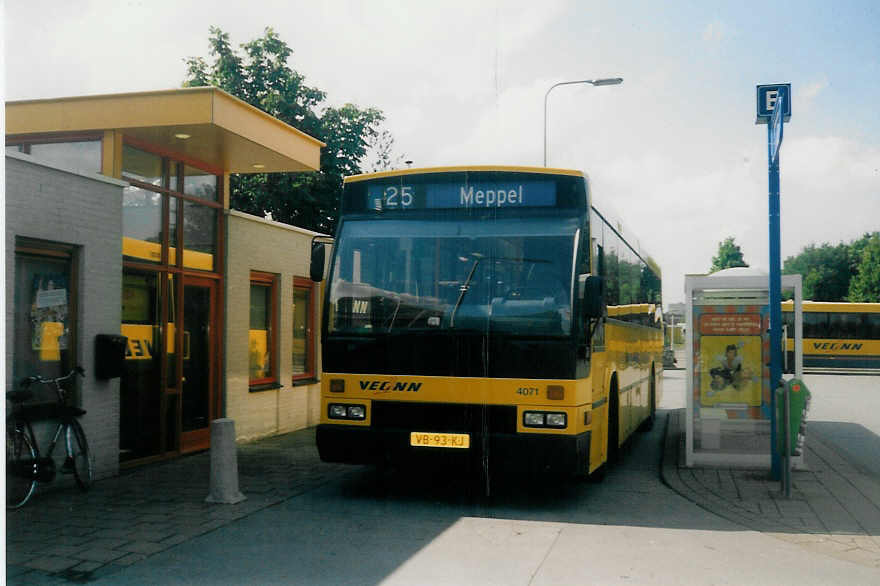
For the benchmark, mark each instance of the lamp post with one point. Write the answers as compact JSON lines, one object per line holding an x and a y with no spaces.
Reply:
{"x":593,"y":82}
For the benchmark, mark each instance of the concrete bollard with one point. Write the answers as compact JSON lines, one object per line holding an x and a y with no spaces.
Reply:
{"x":224,"y":464}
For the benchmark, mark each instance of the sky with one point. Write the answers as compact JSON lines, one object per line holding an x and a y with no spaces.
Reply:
{"x":673,"y":151}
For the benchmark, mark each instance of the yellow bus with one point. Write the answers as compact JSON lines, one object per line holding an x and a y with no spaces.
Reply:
{"x":836,"y":335}
{"x":489,"y":314}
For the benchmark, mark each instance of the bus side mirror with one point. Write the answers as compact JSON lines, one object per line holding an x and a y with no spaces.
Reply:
{"x":593,"y":300}
{"x":316,"y":270}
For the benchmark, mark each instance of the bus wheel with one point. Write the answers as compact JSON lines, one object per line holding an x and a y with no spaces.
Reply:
{"x":648,"y":424}
{"x":613,"y":451}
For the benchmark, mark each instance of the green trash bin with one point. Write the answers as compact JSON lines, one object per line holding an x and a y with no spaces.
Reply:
{"x":799,"y":398}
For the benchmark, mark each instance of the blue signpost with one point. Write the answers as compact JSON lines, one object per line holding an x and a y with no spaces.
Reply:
{"x":774,"y":109}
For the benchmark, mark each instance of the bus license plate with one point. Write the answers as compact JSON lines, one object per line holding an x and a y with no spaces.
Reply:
{"x":439,"y":440}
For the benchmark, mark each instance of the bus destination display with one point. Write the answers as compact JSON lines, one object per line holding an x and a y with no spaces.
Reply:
{"x":505,"y":194}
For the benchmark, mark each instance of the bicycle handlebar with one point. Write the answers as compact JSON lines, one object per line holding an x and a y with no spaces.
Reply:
{"x":28,"y":381}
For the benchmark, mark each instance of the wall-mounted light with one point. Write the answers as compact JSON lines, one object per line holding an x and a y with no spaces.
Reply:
{"x":182,"y":135}
{"x":259,"y":166}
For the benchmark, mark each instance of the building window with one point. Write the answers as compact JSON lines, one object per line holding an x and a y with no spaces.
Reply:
{"x":303,"y":354}
{"x":80,"y":154}
{"x":262,"y":342}
{"x":44,"y":308}
{"x":199,"y":236}
{"x":199,"y":183}
{"x":169,"y":201}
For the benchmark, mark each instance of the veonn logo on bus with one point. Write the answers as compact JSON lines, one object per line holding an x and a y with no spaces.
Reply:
{"x":836,"y":346}
{"x":390,"y":386}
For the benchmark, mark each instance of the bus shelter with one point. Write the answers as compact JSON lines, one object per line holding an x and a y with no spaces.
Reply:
{"x":729,"y":392}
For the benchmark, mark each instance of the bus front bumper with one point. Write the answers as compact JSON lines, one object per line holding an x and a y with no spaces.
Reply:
{"x":514,"y":453}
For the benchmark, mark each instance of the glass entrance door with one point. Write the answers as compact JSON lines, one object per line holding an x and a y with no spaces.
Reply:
{"x":199,"y":345}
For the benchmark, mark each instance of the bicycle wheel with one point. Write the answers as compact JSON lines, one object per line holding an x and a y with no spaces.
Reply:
{"x":78,"y":451}
{"x":21,"y":467}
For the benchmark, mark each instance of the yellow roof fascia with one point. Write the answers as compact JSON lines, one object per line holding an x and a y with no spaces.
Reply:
{"x":264,"y":129}
{"x":460,"y":169}
{"x":239,"y":133}
{"x":109,"y":111}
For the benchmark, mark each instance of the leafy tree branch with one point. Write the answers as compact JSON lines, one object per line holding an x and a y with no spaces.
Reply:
{"x":259,"y":74}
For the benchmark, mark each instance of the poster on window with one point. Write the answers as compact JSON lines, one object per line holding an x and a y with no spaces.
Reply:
{"x":48,"y":315}
{"x":730,"y":351}
{"x":730,"y":370}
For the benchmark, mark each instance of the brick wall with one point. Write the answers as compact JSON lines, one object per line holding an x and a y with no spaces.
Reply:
{"x":255,"y":244}
{"x":49,"y":203}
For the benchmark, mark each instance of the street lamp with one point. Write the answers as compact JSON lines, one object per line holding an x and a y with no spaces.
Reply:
{"x":593,"y":82}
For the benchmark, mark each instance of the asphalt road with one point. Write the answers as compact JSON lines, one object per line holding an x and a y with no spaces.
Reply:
{"x":845,"y":412}
{"x":433,"y":528}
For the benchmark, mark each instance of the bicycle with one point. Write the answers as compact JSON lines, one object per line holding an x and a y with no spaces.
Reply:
{"x":24,"y":464}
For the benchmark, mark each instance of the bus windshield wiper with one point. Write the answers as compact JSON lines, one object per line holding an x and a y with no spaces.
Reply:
{"x":463,"y":291}
{"x":396,"y":309}
{"x":466,"y":286}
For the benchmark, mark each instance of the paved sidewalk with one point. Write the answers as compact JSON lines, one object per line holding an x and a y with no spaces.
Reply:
{"x":65,"y":535}
{"x":834,"y":507}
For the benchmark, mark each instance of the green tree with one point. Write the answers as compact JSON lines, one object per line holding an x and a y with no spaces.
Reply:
{"x":260,"y":76}
{"x":828,"y":271}
{"x":865,"y":285}
{"x":856,"y":247}
{"x":729,"y":255}
{"x":825,"y":269}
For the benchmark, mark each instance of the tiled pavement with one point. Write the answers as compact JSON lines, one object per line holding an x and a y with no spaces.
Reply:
{"x":834,"y":507}
{"x":65,"y":535}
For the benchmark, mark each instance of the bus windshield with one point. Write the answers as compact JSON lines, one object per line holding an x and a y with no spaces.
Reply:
{"x":512,"y":275}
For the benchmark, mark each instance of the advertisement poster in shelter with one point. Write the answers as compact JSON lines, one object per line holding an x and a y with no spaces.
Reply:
{"x":730,"y":364}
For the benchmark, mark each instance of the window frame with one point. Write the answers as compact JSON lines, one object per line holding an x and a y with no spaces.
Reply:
{"x":173,"y":164}
{"x":310,"y":372}
{"x":269,"y":281}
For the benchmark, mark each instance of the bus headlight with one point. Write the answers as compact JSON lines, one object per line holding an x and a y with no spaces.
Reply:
{"x":556,"y":420}
{"x":533,"y":419}
{"x":545,"y":419}
{"x":352,"y":412}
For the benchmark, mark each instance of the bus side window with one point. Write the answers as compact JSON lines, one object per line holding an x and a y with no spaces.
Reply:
{"x":844,"y":326}
{"x":815,"y":324}
{"x":788,"y":321}
{"x":872,"y":326}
